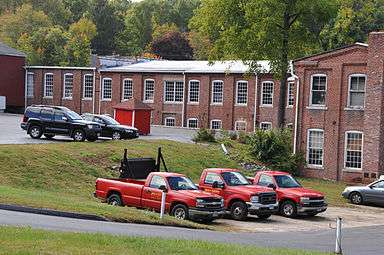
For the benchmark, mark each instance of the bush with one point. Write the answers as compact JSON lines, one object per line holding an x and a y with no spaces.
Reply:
{"x":274,"y":149}
{"x":243,"y":137}
{"x":204,"y":135}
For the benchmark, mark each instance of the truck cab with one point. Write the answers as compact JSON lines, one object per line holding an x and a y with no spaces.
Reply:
{"x":293,"y":198}
{"x":240,"y":196}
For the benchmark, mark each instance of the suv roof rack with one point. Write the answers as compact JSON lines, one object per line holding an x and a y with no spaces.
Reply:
{"x":50,"y":106}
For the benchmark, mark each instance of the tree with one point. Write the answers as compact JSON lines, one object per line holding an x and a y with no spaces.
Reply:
{"x":172,"y":46}
{"x":251,"y":30}
{"x":355,"y":19}
{"x":81,"y":34}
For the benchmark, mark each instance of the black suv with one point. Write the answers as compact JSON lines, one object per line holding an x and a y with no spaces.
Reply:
{"x":57,"y":120}
{"x":111,"y":128}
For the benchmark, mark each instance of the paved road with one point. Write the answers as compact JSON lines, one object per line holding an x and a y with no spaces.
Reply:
{"x":11,"y":133}
{"x":356,"y":241}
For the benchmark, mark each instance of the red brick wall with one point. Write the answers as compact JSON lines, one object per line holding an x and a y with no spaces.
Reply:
{"x":12,"y":76}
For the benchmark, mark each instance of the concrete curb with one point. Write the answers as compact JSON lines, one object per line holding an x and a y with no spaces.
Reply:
{"x":50,"y":212}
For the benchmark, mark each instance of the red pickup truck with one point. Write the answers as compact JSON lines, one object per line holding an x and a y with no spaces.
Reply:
{"x":293,"y":198}
{"x":240,"y":196}
{"x":183,"y":199}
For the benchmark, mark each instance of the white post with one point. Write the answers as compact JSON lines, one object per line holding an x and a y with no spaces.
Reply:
{"x":224,"y":149}
{"x":338,"y":249}
{"x":162,"y":209}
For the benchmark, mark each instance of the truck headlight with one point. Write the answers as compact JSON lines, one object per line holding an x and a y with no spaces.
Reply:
{"x":254,"y":199}
{"x":222,"y":202}
{"x":304,"y":199}
{"x":199,"y":202}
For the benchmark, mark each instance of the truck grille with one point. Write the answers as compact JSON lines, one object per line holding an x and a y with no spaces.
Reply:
{"x":316,"y":203}
{"x":212,"y":203}
{"x":267,"y":198}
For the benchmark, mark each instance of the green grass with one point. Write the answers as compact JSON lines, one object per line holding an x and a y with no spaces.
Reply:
{"x":29,"y":241}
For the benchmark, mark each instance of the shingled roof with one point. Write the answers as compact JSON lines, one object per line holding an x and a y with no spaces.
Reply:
{"x":132,"y":104}
{"x":8,"y":51}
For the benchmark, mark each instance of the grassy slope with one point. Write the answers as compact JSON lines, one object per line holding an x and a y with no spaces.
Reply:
{"x":28,"y":241}
{"x":62,"y":176}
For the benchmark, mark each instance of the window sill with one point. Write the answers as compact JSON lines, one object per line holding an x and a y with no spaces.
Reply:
{"x":48,"y":97}
{"x":354,"y":109}
{"x":312,"y":107}
{"x":290,"y":107}
{"x":67,"y":98}
{"x":217,"y":104}
{"x":148,"y":101}
{"x":193,"y":103}
{"x":266,"y":106}
{"x":352,"y":170}
{"x":315,"y":167}
{"x":87,"y":99}
{"x":241,"y":105}
{"x":173,"y":102}
{"x":106,"y":100}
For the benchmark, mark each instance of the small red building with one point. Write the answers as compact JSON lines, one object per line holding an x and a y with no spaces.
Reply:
{"x":12,"y":78}
{"x":134,"y":113}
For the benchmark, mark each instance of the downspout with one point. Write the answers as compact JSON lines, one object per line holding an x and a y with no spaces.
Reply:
{"x":100,"y":92}
{"x":183,"y":109}
{"x":255,"y":111}
{"x":94,"y":91}
{"x":296,"y":110}
{"x":25,"y":88}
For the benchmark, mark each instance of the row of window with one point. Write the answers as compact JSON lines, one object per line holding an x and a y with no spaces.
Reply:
{"x":356,"y":90}
{"x":353,"y":149}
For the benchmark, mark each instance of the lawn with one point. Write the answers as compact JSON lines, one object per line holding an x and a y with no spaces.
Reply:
{"x":62,"y":175}
{"x":29,"y":241}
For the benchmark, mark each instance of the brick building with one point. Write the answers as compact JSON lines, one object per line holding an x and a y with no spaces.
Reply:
{"x":337,"y":119}
{"x":12,"y":75}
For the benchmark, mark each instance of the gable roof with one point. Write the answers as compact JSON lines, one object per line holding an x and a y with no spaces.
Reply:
{"x":189,"y":66}
{"x":333,"y":51}
{"x":8,"y":51}
{"x":132,"y":104}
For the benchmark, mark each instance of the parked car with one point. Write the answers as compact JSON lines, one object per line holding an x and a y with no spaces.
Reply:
{"x":49,"y":121}
{"x":293,"y":198}
{"x":111,"y":128}
{"x":240,"y":196}
{"x":370,"y":194}
{"x":183,"y":200}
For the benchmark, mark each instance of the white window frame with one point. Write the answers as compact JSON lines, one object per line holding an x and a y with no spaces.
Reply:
{"x":65,"y":86}
{"x":222,"y":92}
{"x":173,"y":101}
{"x":216,"y":120}
{"x":266,"y":123}
{"x":145,"y":91}
{"x":307,"y":149}
{"x":170,"y":118}
{"x":189,"y":92}
{"x":84,"y":87}
{"x":311,"y":90}
{"x":241,"y":121}
{"x":262,"y":93}
{"x":30,"y":87}
{"x":124,"y":89}
{"x":290,"y":93}
{"x":45,"y":85}
{"x":197,"y":122}
{"x":237,"y":93}
{"x":103,"y":89}
{"x":345,"y":150}
{"x":349,"y":106}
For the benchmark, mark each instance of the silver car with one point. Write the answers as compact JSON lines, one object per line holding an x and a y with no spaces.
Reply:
{"x":371,"y":194}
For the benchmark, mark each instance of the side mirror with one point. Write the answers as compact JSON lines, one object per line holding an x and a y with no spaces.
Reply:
{"x":64,"y":118}
{"x":163,"y":188}
{"x":272,"y":186}
{"x":216,"y":185}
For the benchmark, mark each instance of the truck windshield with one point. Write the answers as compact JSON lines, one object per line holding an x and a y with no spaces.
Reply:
{"x":73,"y":116}
{"x":235,"y":179}
{"x":181,"y":183}
{"x":286,"y":181}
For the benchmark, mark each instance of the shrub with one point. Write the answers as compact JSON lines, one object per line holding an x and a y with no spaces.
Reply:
{"x":204,"y":135}
{"x":243,"y":137}
{"x":274,"y":149}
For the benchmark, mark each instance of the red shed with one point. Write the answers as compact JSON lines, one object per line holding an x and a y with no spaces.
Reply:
{"x":134,"y":113}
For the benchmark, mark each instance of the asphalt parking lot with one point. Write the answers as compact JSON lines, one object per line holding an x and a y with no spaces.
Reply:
{"x":11,"y":133}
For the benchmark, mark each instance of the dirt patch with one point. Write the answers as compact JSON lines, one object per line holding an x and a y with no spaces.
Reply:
{"x":357,"y":216}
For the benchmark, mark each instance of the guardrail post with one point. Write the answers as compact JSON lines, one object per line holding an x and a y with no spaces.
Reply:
{"x":162,"y":209}
{"x":338,"y":249}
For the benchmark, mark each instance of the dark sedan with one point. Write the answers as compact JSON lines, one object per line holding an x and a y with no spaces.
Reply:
{"x":371,"y":194}
{"x":111,"y":128}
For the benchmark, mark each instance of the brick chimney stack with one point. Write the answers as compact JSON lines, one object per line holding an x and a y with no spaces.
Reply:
{"x":374,"y":106}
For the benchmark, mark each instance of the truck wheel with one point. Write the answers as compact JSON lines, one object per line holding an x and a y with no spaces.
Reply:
{"x":49,"y":136}
{"x":114,"y":199}
{"x":288,"y":209}
{"x":356,"y":198}
{"x":239,"y":211}
{"x":116,"y":135}
{"x":264,"y":216}
{"x":35,"y":132}
{"x":78,"y":135}
{"x":180,"y":212}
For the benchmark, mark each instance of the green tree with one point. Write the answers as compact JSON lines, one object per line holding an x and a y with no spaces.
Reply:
{"x":81,"y":34}
{"x":173,"y":46}
{"x":54,"y":9}
{"x":355,"y":19}
{"x":251,"y":30}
